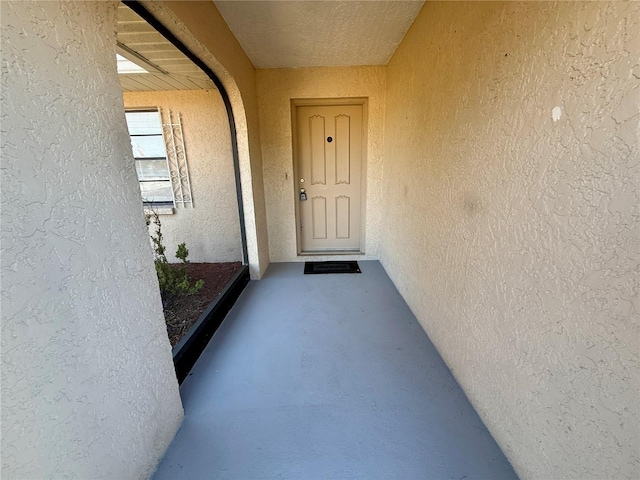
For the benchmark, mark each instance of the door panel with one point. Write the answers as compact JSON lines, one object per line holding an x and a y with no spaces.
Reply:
{"x":319,"y":216}
{"x":317,"y":150}
{"x":343,"y":217}
{"x":343,"y":157}
{"x":329,"y":155}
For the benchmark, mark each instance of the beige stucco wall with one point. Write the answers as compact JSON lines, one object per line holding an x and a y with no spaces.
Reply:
{"x":511,"y":220}
{"x":88,"y":385}
{"x":199,"y":25}
{"x":211,"y":228}
{"x":276,"y":88}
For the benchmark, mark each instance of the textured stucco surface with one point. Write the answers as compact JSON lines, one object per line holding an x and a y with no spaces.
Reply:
{"x":88,"y":386}
{"x":199,"y":25}
{"x":285,"y":34}
{"x":511,"y":220}
{"x":276,"y":88}
{"x":211,"y":229}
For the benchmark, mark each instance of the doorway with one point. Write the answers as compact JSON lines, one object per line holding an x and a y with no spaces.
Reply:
{"x":328,"y":164}
{"x":184,"y":148}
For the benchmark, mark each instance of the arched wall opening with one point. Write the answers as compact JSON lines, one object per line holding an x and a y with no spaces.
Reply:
{"x":183,"y":142}
{"x":180,"y":23}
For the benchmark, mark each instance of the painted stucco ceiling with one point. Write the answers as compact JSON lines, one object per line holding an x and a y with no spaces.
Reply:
{"x":282,"y":34}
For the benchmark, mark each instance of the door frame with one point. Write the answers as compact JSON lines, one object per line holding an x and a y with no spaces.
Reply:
{"x":330,"y":102}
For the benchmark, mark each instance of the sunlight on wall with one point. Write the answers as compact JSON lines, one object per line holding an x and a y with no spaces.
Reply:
{"x":211,"y":229}
{"x":511,"y":170}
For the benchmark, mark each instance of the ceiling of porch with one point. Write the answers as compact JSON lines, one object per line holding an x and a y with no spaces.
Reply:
{"x":289,"y":34}
{"x":274,"y":34}
{"x":168,"y":68}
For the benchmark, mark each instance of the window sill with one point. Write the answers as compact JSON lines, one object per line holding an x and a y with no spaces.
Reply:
{"x":159,"y":210}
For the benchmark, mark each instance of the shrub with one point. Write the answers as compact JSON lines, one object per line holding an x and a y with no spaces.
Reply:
{"x":173,"y":279}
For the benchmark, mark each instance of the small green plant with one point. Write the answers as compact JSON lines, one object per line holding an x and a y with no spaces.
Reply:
{"x":173,"y":279}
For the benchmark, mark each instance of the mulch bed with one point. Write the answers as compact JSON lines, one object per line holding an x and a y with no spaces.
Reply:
{"x":185,"y":312}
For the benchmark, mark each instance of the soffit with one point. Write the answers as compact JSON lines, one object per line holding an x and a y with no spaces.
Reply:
{"x":285,"y":34}
{"x":178,"y":72}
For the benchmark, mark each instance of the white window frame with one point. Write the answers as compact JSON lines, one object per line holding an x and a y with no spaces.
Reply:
{"x":164,"y":206}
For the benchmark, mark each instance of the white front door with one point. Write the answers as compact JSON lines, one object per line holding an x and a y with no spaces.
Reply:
{"x":329,"y":155}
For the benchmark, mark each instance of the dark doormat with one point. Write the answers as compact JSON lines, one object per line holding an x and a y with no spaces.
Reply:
{"x":311,"y":268}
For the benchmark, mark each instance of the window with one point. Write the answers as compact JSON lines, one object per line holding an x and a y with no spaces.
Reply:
{"x":126,"y":66}
{"x":147,"y":142}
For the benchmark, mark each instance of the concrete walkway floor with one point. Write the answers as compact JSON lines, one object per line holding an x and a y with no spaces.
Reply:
{"x":326,"y":377}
